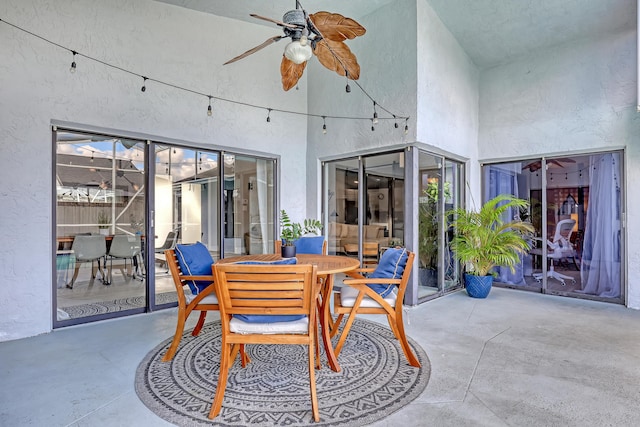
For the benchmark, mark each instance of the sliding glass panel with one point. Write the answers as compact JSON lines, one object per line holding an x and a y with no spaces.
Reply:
{"x":384,"y":201}
{"x":522,"y":180}
{"x":431,"y":190}
{"x":342,"y":206}
{"x":453,"y":194}
{"x":249,"y":205}
{"x":100,"y":223}
{"x":186,"y":208}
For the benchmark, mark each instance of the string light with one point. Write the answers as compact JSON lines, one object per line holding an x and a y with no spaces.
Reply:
{"x":91,"y":159}
{"x":324,"y":125}
{"x":73,"y":68}
{"x":73,"y":62}
{"x":269,"y":115}
{"x":372,"y":127}
{"x":375,"y":114}
{"x":406,"y":126}
{"x":209,"y":110}
{"x":395,"y":124}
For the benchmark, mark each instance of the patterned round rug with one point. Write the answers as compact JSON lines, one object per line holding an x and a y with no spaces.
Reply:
{"x":375,"y":381}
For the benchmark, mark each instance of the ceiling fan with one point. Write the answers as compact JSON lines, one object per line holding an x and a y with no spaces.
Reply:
{"x":322,"y":34}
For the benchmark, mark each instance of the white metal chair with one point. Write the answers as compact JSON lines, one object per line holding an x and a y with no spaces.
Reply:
{"x":88,"y":248}
{"x":125,"y":247}
{"x":558,"y":249}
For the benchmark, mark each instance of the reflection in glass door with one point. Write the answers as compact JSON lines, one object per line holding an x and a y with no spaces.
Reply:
{"x":342,"y":206}
{"x":100,"y":223}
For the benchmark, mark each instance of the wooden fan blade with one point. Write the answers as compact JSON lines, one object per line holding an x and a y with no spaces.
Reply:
{"x":337,"y":56}
{"x":275,"y":21}
{"x":255,"y":49}
{"x":291,"y":72}
{"x":336,"y":27}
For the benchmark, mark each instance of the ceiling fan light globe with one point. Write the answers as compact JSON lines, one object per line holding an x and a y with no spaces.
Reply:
{"x":297,"y":52}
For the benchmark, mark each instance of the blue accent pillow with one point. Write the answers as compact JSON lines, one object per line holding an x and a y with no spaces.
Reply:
{"x":309,"y":245}
{"x":269,"y":318}
{"x":195,"y":260}
{"x":391,"y":266}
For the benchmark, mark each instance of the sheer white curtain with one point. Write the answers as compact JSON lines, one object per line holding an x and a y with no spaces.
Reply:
{"x":600,"y":268}
{"x":503,"y":181}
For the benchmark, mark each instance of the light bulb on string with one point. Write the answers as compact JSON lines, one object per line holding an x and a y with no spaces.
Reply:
{"x":372,"y":127}
{"x":209,"y":110}
{"x":347,"y":88}
{"x":269,"y":115}
{"x":406,"y":126}
{"x":375,"y":114}
{"x":91,"y":160}
{"x":324,"y":125}
{"x":144,"y":84}
{"x":72,"y":69}
{"x":395,"y":124}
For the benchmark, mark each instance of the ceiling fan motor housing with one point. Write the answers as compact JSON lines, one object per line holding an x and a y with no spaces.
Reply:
{"x":295,"y":17}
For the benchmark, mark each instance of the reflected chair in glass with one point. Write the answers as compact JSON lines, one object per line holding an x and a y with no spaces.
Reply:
{"x":266,"y":304}
{"x":359,"y":298}
{"x":88,"y":248}
{"x":126,"y":247}
{"x":558,"y":249}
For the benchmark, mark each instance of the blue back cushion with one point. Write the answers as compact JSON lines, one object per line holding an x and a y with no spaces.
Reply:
{"x":391,"y":266}
{"x":195,"y":260}
{"x":269,"y":318}
{"x":309,"y":245}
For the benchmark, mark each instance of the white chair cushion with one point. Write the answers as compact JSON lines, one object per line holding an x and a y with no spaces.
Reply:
{"x":209,"y":299}
{"x":300,"y":326}
{"x":349,"y":294}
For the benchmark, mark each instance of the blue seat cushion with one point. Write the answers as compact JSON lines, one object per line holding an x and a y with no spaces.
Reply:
{"x":309,"y":245}
{"x":269,"y":318}
{"x":195,"y":260}
{"x":391,"y":266}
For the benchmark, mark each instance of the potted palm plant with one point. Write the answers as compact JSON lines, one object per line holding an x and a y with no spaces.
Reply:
{"x":484,"y":240}
{"x":291,"y":231}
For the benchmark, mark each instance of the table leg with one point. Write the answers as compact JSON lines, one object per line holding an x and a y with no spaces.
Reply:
{"x":325,"y":317}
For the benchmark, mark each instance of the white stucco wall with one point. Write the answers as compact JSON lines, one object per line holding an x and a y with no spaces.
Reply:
{"x":160,"y":41}
{"x":387,"y":58}
{"x":447,"y":93}
{"x":579,"y":96}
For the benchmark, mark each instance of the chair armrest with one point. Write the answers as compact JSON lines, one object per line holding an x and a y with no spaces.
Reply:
{"x":372,"y":281}
{"x":188,"y":278}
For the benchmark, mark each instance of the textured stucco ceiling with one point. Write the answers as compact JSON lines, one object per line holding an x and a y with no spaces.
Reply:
{"x":490,"y":31}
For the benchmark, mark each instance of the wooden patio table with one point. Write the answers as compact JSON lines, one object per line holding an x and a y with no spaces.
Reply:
{"x":327,"y":266}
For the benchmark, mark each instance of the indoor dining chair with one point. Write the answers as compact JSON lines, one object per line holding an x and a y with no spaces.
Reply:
{"x":88,"y":248}
{"x":125,"y":247}
{"x":266,"y":304}
{"x":381,"y":292}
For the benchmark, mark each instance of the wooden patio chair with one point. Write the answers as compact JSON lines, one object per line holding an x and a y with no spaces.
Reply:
{"x":360,"y":297}
{"x":204,"y":301}
{"x":266,"y":304}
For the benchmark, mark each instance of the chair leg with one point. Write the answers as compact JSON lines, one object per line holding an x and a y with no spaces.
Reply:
{"x":222,"y":381}
{"x":176,"y":338}
{"x":312,"y":382}
{"x":335,"y":326}
{"x":200,"y":324}
{"x":75,"y":276}
{"x":398,"y":329}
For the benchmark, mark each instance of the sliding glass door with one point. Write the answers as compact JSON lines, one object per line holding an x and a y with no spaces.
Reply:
{"x":576,"y":207}
{"x":120,"y":203}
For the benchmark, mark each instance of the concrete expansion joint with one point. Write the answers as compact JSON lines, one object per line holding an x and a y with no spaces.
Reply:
{"x":475,"y":368}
